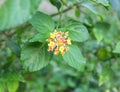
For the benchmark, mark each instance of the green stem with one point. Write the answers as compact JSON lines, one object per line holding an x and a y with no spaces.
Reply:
{"x":60,"y":18}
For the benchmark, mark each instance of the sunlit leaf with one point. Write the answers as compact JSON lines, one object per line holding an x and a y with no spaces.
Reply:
{"x":117,"y":48}
{"x":105,"y":76}
{"x":12,"y":86}
{"x":2,"y":86}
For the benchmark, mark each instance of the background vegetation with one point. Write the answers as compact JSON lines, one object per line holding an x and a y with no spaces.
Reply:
{"x":91,"y":64}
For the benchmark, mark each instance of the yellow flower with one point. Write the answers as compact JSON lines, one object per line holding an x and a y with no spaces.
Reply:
{"x":52,"y":35}
{"x":55,"y":31}
{"x":51,"y":44}
{"x":66,"y":34}
{"x":62,"y":48}
{"x":69,"y":41}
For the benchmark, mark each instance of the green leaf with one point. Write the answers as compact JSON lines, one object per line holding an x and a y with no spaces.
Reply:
{"x":14,"y":47}
{"x":56,"y":3}
{"x":90,"y":7}
{"x":101,"y":31}
{"x":12,"y":86}
{"x":103,"y":2}
{"x":98,"y":34}
{"x":102,"y":25}
{"x":74,"y":58}
{"x":34,"y":56}
{"x":117,"y":48}
{"x":102,"y":53}
{"x":12,"y":80}
{"x":77,"y":32}
{"x":43,"y":24}
{"x":2,"y":87}
{"x":77,"y":12}
{"x":38,"y":38}
{"x":105,"y":76}
{"x":16,"y":12}
{"x":12,"y":76}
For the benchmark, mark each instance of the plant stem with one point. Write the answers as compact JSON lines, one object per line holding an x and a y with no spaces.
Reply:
{"x":67,"y":9}
{"x":60,"y":17}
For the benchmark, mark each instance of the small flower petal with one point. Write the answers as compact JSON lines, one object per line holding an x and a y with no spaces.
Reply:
{"x":62,"y":48}
{"x":56,"y":51}
{"x":52,"y":35}
{"x":51,"y":43}
{"x":69,"y":41}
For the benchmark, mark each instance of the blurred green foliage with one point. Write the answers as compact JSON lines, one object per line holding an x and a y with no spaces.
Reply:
{"x":91,"y":64}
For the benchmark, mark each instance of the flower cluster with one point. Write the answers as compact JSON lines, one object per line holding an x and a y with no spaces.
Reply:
{"x":58,"y":42}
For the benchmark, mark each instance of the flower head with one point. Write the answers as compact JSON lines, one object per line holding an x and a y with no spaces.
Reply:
{"x":59,"y":42}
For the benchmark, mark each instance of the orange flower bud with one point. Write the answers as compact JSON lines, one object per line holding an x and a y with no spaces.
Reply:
{"x":56,"y":51}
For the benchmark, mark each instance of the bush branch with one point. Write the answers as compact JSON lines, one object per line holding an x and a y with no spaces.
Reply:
{"x":67,"y":9}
